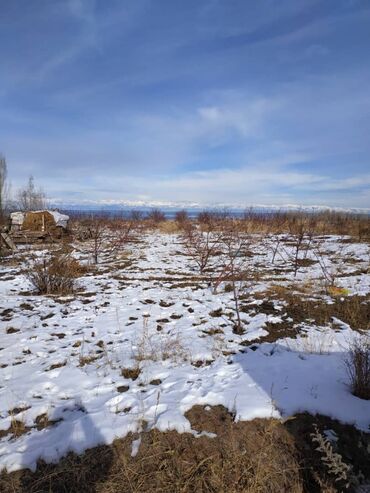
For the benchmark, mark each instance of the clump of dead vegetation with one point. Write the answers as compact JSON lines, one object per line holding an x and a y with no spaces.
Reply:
{"x":332,"y":461}
{"x":55,"y":275}
{"x":333,"y":457}
{"x":357,"y":363}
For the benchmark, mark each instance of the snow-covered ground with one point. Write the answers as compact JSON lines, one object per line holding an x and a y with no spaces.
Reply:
{"x":65,"y":361}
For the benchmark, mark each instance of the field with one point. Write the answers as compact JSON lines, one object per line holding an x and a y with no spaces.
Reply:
{"x":173,"y":329}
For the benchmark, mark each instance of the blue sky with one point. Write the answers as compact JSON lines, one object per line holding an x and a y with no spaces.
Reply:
{"x":236,"y":101}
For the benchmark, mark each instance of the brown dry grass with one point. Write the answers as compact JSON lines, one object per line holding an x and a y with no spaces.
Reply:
{"x":257,"y":456}
{"x":301,"y":308}
{"x":169,"y":227}
{"x":16,"y":429}
{"x":352,"y":310}
{"x":251,"y":457}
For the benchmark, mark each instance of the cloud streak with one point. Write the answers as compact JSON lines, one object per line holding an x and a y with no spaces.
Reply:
{"x":210,"y":101}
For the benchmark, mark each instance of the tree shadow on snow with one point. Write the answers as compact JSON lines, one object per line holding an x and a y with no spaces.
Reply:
{"x":303,"y":381}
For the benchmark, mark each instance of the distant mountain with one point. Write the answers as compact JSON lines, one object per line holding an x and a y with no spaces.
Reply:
{"x":117,"y":205}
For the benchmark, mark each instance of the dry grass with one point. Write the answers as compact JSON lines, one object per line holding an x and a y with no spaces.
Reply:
{"x":131,"y":373}
{"x":255,"y":456}
{"x":321,"y":223}
{"x":352,"y":310}
{"x":86,"y":360}
{"x":169,"y":227}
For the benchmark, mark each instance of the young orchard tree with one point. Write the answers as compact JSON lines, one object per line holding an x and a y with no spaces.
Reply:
{"x":156,"y":216}
{"x":331,"y":269}
{"x":119,"y":234}
{"x":31,"y":198}
{"x":108,"y":236}
{"x":200,"y":246}
{"x":302,"y":239}
{"x":97,"y":230}
{"x":234,"y":268}
{"x":182,"y":217}
{"x":302,"y":232}
{"x":136,"y":215}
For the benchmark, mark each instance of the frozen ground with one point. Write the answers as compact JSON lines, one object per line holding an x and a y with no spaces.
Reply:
{"x":146,"y":338}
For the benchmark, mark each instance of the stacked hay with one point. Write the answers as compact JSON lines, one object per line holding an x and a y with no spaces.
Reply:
{"x":38,"y":225}
{"x":38,"y":221}
{"x":51,"y":222}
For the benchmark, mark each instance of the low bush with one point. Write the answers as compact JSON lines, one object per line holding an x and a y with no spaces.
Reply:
{"x":55,"y":275}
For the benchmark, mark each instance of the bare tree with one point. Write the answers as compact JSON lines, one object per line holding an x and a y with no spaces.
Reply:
{"x":4,"y":188}
{"x":301,"y":236}
{"x":31,"y":198}
{"x":120,"y":233}
{"x":97,"y":232}
{"x":105,"y":236}
{"x":235,"y":246}
{"x":136,"y":215}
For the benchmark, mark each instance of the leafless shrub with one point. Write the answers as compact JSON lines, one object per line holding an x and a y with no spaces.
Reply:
{"x":301,"y":234}
{"x":56,"y":275}
{"x":357,"y":363}
{"x":156,"y":216}
{"x":215,"y":220}
{"x":109,"y":235}
{"x":90,"y":228}
{"x":181,"y":217}
{"x":321,"y":222}
{"x":206,"y":218}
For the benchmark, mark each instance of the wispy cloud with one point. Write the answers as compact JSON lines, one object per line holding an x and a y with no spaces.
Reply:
{"x":212,"y":100}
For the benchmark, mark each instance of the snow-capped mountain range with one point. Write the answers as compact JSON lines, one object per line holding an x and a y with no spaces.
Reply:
{"x":189,"y":205}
